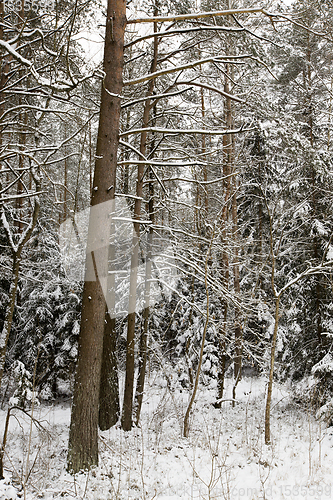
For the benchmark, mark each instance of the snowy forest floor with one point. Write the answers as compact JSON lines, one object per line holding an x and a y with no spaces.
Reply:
{"x":224,"y":457}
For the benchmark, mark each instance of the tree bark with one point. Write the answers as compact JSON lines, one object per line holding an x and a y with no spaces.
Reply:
{"x":83,"y":434}
{"x":271,"y":373}
{"x":146,"y":312}
{"x":186,"y":427}
{"x":126,"y":420}
{"x":227,"y":153}
{"x":237,"y":327}
{"x":109,"y":406}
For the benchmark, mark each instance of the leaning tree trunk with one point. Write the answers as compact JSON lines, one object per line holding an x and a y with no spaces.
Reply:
{"x":83,"y":434}
{"x":186,"y":427}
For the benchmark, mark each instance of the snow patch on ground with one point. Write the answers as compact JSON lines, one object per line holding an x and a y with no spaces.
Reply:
{"x":224,"y":457}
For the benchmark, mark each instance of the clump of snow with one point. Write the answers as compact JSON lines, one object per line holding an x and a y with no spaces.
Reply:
{"x":325,"y":365}
{"x":7,"y":490}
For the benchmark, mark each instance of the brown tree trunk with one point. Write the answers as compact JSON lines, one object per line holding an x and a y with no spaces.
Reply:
{"x":83,"y":434}
{"x":126,"y":420}
{"x":238,"y":327}
{"x":186,"y":427}
{"x":144,"y":334}
{"x":4,"y":67}
{"x":271,"y":373}
{"x":109,"y":406}
{"x":227,"y":151}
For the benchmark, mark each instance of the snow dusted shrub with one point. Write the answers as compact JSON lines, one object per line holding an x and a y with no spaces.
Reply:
{"x":315,"y":391}
{"x":47,"y":318}
{"x":323,"y":387}
{"x":50,"y":334}
{"x":23,"y":393}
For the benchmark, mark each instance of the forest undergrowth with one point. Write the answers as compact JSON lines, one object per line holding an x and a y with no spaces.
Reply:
{"x":224,"y":456}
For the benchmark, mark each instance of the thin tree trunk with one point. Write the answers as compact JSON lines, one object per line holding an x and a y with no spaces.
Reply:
{"x":271,"y":372}
{"x":4,"y":68}
{"x":227,"y":151}
{"x":83,"y":434}
{"x":146,"y":312}
{"x":238,"y":328}
{"x":126,"y":420}
{"x":186,"y":427}
{"x":222,"y":359}
{"x":109,"y":406}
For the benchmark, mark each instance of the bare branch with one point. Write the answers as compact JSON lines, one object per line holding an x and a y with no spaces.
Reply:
{"x":213,"y":89}
{"x":217,"y":59}
{"x":152,"y":98}
{"x":182,"y":31}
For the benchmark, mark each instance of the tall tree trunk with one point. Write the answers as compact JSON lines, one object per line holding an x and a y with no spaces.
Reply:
{"x":144,"y":334}
{"x":83,"y":434}
{"x":109,"y":406}
{"x":4,"y":68}
{"x":126,"y":420}
{"x":308,"y":105}
{"x":186,"y":427}
{"x":271,"y":373}
{"x":227,"y":152}
{"x":238,"y":327}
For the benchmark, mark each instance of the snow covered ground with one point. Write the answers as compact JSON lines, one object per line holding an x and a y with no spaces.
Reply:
{"x":223,"y":458}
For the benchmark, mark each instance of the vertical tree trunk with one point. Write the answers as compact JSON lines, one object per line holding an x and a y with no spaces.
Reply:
{"x":83,"y":434}
{"x":238,"y":328}
{"x":109,"y":406}
{"x":16,"y":252}
{"x":227,"y":152}
{"x":271,"y":373}
{"x":186,"y":427}
{"x":126,"y":420}
{"x":144,"y":334}
{"x":4,"y":67}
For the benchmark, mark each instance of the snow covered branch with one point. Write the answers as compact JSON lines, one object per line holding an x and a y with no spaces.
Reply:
{"x":184,"y":131}
{"x":198,"y":15}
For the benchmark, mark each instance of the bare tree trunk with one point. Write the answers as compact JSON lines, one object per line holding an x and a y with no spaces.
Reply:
{"x":271,"y":373}
{"x":109,"y":406}
{"x":222,"y":359}
{"x":144,"y":334}
{"x":238,"y":327}
{"x":227,"y":151}
{"x":186,"y":427}
{"x":126,"y":420}
{"x":4,"y":68}
{"x":83,"y":434}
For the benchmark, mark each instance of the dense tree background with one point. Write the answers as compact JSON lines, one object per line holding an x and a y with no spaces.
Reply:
{"x":259,"y":199}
